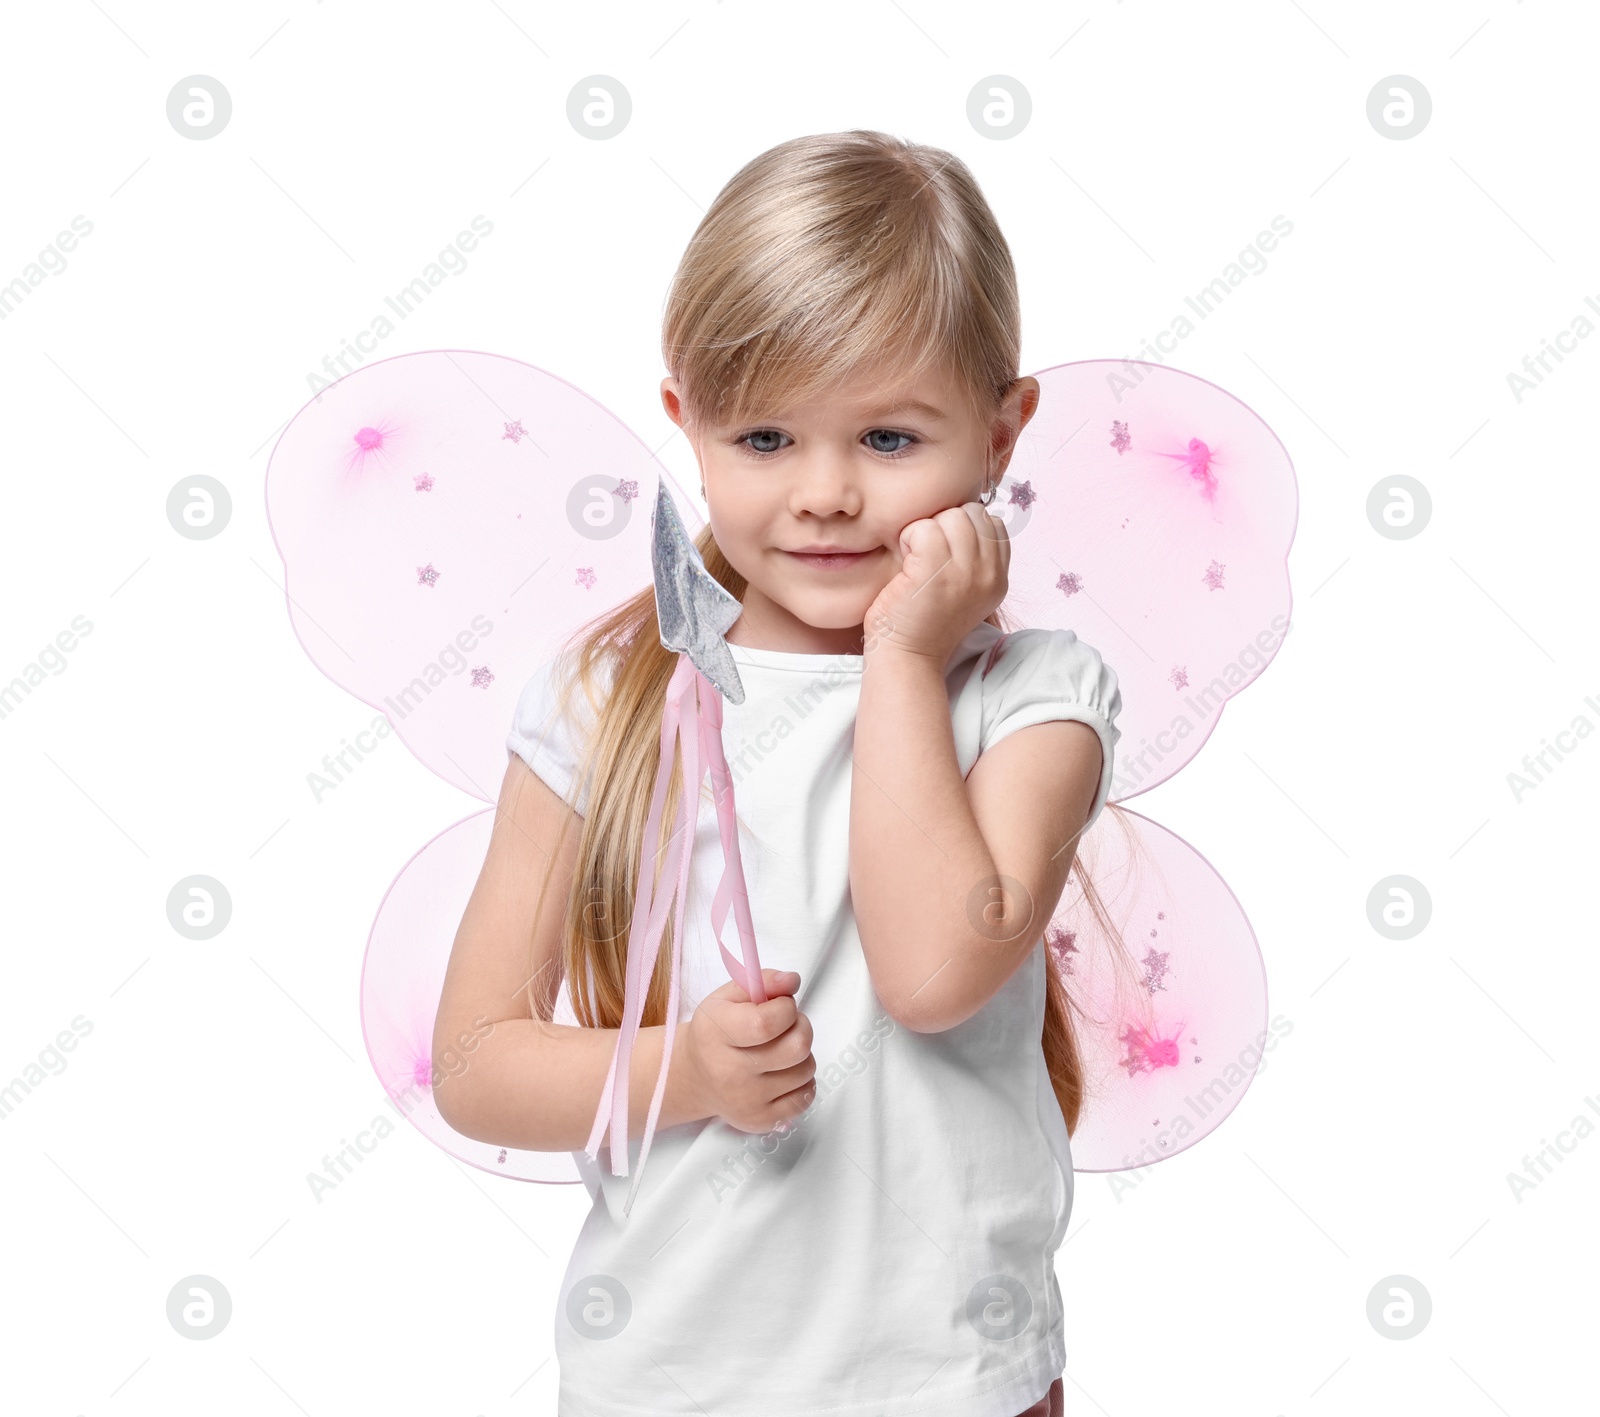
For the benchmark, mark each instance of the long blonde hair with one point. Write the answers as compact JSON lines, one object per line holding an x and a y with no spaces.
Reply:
{"x":822,"y":256}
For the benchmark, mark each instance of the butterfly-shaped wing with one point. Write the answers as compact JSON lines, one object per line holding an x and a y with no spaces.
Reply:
{"x":448,"y":519}
{"x":1151,"y":513}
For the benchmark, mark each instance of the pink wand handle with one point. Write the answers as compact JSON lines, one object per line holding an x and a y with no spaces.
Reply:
{"x":691,"y":717}
{"x":731,"y":889}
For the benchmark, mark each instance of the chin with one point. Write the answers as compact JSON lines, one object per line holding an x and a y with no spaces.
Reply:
{"x":829,"y":612}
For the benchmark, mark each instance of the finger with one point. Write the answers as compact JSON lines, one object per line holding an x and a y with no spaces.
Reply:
{"x":923,"y":539}
{"x":960,"y":528}
{"x":777,"y":981}
{"x":1005,"y":548}
{"x":996,"y":536}
{"x":785,"y":1080}
{"x":746,"y":1025}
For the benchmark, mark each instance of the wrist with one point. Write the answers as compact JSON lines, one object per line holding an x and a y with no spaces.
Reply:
{"x":899,"y":658}
{"x":684,"y":1100}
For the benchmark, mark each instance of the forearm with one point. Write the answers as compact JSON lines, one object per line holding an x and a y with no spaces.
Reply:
{"x":919,"y":865}
{"x":536,"y":1086}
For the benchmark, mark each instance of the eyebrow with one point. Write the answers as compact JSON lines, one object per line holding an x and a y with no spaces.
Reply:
{"x":914,"y":406}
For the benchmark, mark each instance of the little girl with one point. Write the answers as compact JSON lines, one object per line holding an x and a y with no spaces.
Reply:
{"x":855,"y":1195}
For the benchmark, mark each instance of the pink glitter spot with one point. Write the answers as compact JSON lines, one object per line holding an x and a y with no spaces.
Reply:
{"x":514,"y":431}
{"x":1147,"y":1050}
{"x":502,"y":1157}
{"x":481,"y":677}
{"x":1213,"y":575}
{"x":1023,"y":495}
{"x":1155,"y":969}
{"x":626,"y":491}
{"x":1179,"y":677}
{"x":422,"y":1072}
{"x":1063,"y":944}
{"x":1197,"y":459}
{"x":1069,"y":582}
{"x":426,"y":575}
{"x":423,"y":482}
{"x":368,"y":442}
{"x":586,"y":577}
{"x":1119,"y":437}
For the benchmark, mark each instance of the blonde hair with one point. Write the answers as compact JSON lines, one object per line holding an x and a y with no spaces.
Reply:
{"x":823,"y":256}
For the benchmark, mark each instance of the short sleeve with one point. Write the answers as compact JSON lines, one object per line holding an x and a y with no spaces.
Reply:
{"x":1041,"y":675}
{"x":551,"y":726}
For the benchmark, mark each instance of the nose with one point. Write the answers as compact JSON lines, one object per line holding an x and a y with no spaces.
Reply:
{"x":824,"y":484}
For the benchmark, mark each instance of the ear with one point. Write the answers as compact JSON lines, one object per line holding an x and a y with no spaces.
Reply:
{"x":672,"y":400}
{"x":1021,"y":402}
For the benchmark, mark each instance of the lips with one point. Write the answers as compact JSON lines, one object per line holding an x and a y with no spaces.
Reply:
{"x":828,"y":557}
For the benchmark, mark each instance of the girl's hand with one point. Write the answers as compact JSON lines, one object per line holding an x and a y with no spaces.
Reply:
{"x":749,"y":1064}
{"x":954,"y":569}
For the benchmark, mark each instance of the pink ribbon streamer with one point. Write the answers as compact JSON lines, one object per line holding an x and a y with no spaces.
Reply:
{"x":692,"y":717}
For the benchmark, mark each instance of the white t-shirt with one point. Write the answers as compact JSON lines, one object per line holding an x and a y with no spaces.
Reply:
{"x":894,"y":1252}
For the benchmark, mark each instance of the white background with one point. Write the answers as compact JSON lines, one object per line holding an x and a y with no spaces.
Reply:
{"x":178,"y":738}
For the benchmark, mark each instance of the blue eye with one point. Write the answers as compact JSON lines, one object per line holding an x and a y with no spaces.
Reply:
{"x":762,"y":443}
{"x":762,"y":433}
{"x":889,"y":433}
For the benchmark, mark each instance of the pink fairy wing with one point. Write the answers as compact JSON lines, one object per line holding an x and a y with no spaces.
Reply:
{"x":1171,"y":1043}
{"x":1151,"y":512}
{"x":401,"y":981}
{"x":446,"y":519}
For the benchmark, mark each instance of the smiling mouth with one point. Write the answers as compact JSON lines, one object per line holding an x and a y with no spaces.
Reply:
{"x":830,"y":560}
